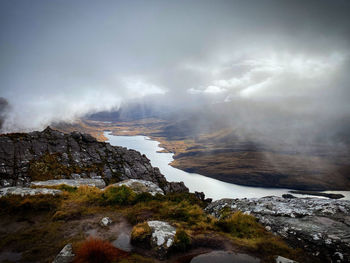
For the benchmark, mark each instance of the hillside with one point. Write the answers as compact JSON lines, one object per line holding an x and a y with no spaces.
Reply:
{"x":221,"y":153}
{"x":69,"y":198}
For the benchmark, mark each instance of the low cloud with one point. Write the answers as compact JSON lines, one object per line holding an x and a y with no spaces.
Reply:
{"x":64,"y":59}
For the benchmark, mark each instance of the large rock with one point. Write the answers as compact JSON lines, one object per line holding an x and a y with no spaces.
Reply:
{"x":52,"y":155}
{"x":100,"y":183}
{"x":141,"y":186}
{"x":23,"y":191}
{"x":156,"y":235}
{"x":66,"y":255}
{"x":320,"y":226}
{"x":163,"y":235}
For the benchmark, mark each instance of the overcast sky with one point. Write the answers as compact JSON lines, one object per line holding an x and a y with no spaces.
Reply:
{"x":62,"y":59}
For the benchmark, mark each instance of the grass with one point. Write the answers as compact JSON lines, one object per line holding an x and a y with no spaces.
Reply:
{"x":141,"y":233}
{"x":241,"y":226}
{"x":52,"y":214}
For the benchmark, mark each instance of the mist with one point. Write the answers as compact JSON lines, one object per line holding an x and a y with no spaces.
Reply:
{"x":271,"y":60}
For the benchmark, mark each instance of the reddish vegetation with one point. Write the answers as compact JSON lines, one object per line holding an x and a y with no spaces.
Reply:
{"x":98,"y":251}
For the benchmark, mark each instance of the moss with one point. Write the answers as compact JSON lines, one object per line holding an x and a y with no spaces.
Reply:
{"x":48,"y":166}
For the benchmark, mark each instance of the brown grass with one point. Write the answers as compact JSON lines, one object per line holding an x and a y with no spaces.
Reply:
{"x":98,"y":251}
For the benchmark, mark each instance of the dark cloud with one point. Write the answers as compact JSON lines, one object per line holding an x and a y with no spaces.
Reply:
{"x":63,"y":59}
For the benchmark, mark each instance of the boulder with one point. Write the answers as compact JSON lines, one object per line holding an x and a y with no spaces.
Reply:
{"x":66,"y":255}
{"x":163,"y":235}
{"x":100,"y":183}
{"x":156,"y":235}
{"x":23,"y":191}
{"x":141,"y":186}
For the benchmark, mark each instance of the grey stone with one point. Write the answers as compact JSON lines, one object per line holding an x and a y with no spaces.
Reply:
{"x":163,"y":235}
{"x":23,"y":191}
{"x":140,"y":186}
{"x":106,"y":221}
{"x":100,"y":183}
{"x":66,"y":255}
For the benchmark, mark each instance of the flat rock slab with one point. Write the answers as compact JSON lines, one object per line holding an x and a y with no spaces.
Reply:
{"x":23,"y":191}
{"x":141,"y":186}
{"x":100,"y":183}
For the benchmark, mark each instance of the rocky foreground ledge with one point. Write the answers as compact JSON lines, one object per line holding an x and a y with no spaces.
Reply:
{"x":52,"y":155}
{"x":320,"y":226}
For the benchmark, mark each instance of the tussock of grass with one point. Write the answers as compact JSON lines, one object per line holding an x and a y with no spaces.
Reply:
{"x":141,"y":233}
{"x":122,"y":195}
{"x":241,"y":226}
{"x":96,"y":250}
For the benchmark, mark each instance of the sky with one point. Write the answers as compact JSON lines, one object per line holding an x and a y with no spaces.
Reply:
{"x":62,"y":59}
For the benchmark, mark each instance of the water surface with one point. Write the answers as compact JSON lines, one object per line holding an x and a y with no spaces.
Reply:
{"x":195,"y":182}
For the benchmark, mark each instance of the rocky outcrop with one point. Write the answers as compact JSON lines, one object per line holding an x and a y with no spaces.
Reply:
{"x":100,"y":183}
{"x":141,"y":186}
{"x":52,"y":155}
{"x":320,"y":226}
{"x":23,"y":191}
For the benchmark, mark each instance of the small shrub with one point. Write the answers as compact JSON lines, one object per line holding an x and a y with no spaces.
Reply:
{"x":188,"y":197}
{"x":66,"y":215}
{"x":122,"y":195}
{"x":141,"y":234}
{"x":88,"y":194}
{"x":98,"y":251}
{"x":183,"y":211}
{"x":143,"y":197}
{"x":181,"y":241}
{"x":241,"y":226}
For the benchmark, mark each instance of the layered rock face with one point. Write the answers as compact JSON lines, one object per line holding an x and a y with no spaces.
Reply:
{"x":320,"y":226}
{"x":48,"y":155}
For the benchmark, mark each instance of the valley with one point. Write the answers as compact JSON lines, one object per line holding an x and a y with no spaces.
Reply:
{"x":222,"y":155}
